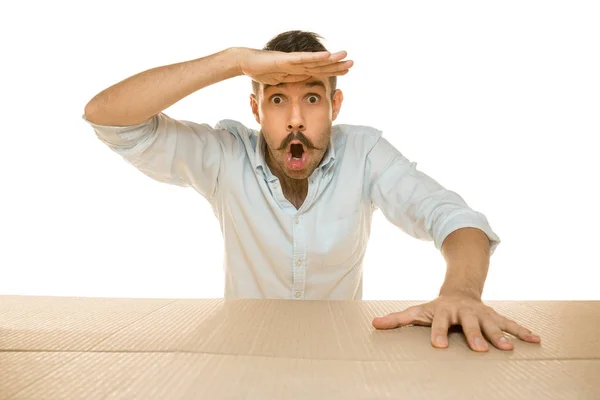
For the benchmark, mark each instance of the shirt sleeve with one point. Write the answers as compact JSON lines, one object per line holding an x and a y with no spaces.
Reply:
{"x":171,"y":151}
{"x":415,"y":202}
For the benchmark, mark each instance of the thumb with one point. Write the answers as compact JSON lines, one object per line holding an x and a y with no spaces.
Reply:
{"x":396,"y":320}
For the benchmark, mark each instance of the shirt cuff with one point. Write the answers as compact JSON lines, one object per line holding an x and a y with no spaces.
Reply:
{"x":472,"y":219}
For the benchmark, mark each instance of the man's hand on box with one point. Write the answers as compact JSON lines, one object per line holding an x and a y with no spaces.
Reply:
{"x":479,"y":322}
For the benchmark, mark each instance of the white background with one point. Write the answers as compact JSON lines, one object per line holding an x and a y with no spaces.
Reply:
{"x":498,"y":101}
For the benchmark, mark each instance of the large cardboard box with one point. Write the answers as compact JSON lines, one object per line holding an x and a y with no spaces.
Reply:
{"x":104,"y":348}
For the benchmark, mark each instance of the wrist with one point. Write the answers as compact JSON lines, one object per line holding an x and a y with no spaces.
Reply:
{"x":448,"y":291}
{"x":238,"y":59}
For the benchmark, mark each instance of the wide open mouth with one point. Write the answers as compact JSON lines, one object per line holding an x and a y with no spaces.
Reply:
{"x":297,"y":150}
{"x":296,"y":157}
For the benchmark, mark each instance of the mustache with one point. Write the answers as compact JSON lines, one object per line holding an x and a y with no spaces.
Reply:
{"x":299,"y":136}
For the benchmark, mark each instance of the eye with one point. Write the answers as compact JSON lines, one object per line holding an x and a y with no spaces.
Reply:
{"x":276,"y":99}
{"x":313,"y":98}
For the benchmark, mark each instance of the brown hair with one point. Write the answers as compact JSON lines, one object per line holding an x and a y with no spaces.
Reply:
{"x":294,"y":41}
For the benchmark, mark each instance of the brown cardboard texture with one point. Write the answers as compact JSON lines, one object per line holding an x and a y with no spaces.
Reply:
{"x":88,"y":348}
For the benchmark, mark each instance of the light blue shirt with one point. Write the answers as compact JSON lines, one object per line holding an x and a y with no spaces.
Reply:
{"x":273,"y":250}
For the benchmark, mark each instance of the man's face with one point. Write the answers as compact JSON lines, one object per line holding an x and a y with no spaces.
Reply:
{"x":296,"y":121}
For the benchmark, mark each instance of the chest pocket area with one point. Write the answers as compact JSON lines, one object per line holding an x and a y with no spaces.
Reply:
{"x":338,"y":240}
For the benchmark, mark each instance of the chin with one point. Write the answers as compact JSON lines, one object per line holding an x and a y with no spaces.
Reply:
{"x":297,"y":175}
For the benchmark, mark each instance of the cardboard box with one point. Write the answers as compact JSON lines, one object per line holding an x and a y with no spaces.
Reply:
{"x":104,"y":348}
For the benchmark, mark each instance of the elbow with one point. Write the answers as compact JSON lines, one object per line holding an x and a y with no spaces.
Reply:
{"x":91,"y":111}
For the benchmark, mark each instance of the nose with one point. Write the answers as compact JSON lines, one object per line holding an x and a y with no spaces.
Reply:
{"x":296,"y":119}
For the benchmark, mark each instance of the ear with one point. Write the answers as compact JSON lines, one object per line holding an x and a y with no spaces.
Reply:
{"x":338,"y":99}
{"x":254,"y":107}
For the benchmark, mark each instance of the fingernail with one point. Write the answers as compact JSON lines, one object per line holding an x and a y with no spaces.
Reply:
{"x":440,"y":340}
{"x":503,"y":340}
{"x":479,"y":342}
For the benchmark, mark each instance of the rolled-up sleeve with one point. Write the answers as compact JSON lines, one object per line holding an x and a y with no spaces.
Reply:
{"x":171,"y":151}
{"x":415,"y":202}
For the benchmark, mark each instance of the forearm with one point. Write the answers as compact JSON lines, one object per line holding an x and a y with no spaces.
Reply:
{"x":141,"y":96}
{"x":467,"y":255}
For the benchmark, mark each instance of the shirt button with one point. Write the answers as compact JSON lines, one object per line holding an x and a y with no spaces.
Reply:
{"x":275,"y":185}
{"x":296,"y":220}
{"x":297,"y":294}
{"x":298,"y":263}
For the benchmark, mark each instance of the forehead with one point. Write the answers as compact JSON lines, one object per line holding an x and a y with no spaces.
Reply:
{"x":312,"y":83}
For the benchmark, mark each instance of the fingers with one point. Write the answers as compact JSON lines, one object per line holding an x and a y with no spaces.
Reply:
{"x":439,"y":328}
{"x":322,"y":66}
{"x":295,"y":78}
{"x":338,"y":73}
{"x":396,"y":320}
{"x":470,"y":325}
{"x":316,"y":59}
{"x":517,"y":330}
{"x":476,"y":320}
{"x":299,"y":78}
{"x":494,"y":333}
{"x":473,"y":324}
{"x":302,"y":65}
{"x":331,"y":68}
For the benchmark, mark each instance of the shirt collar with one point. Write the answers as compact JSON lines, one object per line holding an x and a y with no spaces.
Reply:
{"x":325,"y":165}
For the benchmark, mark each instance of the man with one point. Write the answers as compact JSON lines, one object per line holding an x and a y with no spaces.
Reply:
{"x":295,"y":199}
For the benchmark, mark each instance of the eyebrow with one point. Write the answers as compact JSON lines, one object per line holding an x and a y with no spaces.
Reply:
{"x":307,"y":84}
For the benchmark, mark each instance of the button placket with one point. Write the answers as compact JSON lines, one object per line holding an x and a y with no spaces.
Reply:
{"x":298,"y":255}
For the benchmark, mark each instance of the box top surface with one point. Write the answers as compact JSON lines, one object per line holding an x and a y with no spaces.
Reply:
{"x":315,"y":342}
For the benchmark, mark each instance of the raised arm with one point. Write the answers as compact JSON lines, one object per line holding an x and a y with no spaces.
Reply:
{"x":128,"y":116}
{"x":141,"y":96}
